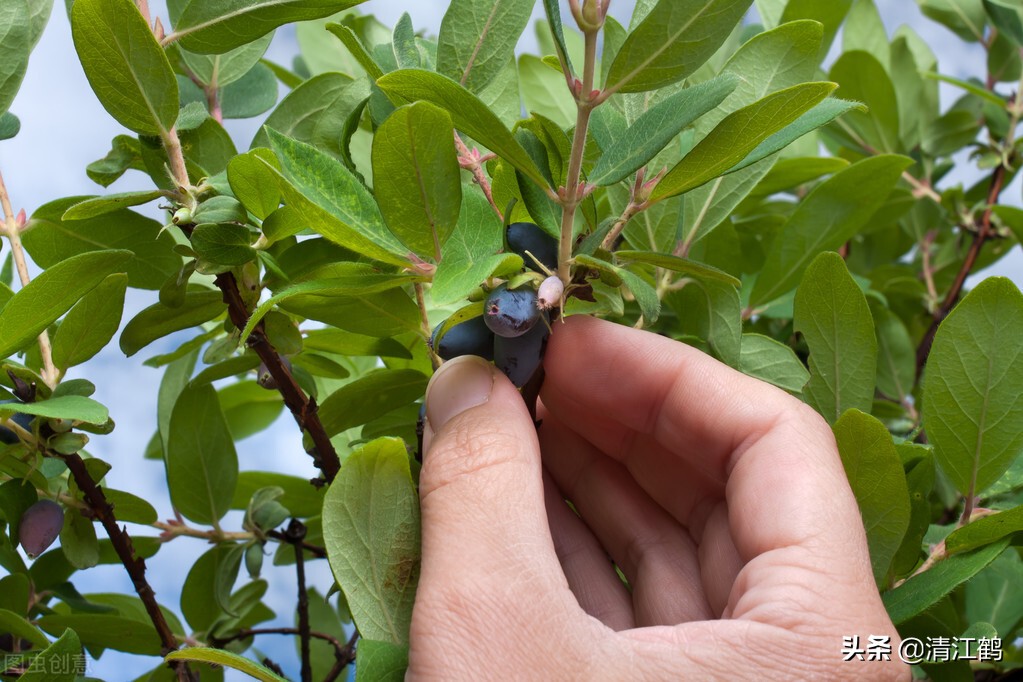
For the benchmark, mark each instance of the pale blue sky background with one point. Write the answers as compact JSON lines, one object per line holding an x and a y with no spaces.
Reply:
{"x":64,"y":128}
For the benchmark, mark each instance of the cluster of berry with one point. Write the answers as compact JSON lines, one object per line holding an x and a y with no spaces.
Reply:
{"x":514,"y":327}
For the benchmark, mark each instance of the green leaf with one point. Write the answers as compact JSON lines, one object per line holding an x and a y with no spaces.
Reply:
{"x":333,"y":202}
{"x":672,"y":42}
{"x":10,"y":125}
{"x":387,"y":313}
{"x":226,"y":659}
{"x":817,"y":117}
{"x":215,"y":28}
{"x":347,"y":36}
{"x":253,"y":184}
{"x":125,"y":153}
{"x":78,"y":540}
{"x":253,"y":94}
{"x":223,"y":244}
{"x":472,"y":253}
{"x":89,"y":326}
{"x":553,"y":12}
{"x":221,"y":70}
{"x":772,"y":361}
{"x":61,"y":661}
{"x":15,"y":43}
{"x":645,"y":295}
{"x":684,"y":266}
{"x":776,"y":59}
{"x":738,"y":135}
{"x":656,"y":127}
{"x":361,"y":280}
{"x":416,"y":177}
{"x":72,"y":407}
{"x":832,"y":314}
{"x":373,"y":497}
{"x":1007,"y":17}
{"x":159,"y":320}
{"x":966,"y":18}
{"x":106,"y":631}
{"x":51,"y":294}
{"x":249,"y":408}
{"x":349,"y":344}
{"x":971,"y":402}
{"x":300,"y":498}
{"x":470,"y":115}
{"x":381,"y":661}
{"x":862,"y":78}
{"x":49,"y":240}
{"x":896,"y":366}
{"x":478,"y":38}
{"x":131,"y":508}
{"x":207,"y":587}
{"x":202,"y":466}
{"x":985,"y":530}
{"x":18,"y":626}
{"x":710,"y":310}
{"x":126,"y":67}
{"x":369,"y":397}
{"x":315,"y":112}
{"x":544,"y":92}
{"x":827,"y":218}
{"x":925,"y":589}
{"x":97,"y":206}
{"x":878,"y":481}
{"x":993,"y":596}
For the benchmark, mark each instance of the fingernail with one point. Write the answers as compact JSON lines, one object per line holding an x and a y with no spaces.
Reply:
{"x":459,"y":385}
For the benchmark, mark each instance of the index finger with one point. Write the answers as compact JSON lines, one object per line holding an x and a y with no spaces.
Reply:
{"x":785,"y":484}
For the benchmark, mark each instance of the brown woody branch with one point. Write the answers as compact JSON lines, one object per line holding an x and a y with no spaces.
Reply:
{"x":302,"y":406}
{"x":984,"y":233}
{"x":135,"y":566}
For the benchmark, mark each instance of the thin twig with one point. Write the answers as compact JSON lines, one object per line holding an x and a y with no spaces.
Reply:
{"x":343,"y":658}
{"x":295,"y":534}
{"x":470,"y":160}
{"x":134,"y":565}
{"x":424,"y":322}
{"x":586,"y":100}
{"x":302,"y":406}
{"x":345,"y":652}
{"x":12,"y":228}
{"x":983,"y":233}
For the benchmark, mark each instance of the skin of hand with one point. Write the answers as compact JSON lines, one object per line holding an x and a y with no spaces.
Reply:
{"x":721,"y":498}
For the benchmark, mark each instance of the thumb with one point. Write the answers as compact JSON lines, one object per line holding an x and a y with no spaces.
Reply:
{"x":481,"y":486}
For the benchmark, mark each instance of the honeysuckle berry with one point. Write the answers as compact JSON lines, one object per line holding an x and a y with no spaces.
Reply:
{"x":511,"y":312}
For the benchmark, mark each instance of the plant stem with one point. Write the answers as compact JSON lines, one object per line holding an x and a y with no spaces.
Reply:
{"x":169,"y":531}
{"x":50,"y":374}
{"x":135,"y":566}
{"x":474,"y":164}
{"x":585,"y":102}
{"x":344,"y":652}
{"x":176,"y":158}
{"x":952,"y":297}
{"x":295,"y":534}
{"x":302,"y":407}
{"x":425,"y":324}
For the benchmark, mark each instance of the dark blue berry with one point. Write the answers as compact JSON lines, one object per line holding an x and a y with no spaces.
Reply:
{"x":519,"y":357}
{"x":21,"y":419}
{"x":524,"y":237}
{"x":511,"y":312}
{"x":471,"y":337}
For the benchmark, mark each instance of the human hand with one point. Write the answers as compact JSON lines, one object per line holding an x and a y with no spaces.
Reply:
{"x":722,"y":500}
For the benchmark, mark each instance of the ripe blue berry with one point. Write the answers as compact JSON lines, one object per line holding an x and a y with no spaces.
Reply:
{"x":511,"y":312}
{"x":471,"y":337}
{"x":519,"y":357}
{"x":524,"y":237}
{"x":21,"y":419}
{"x":40,"y":525}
